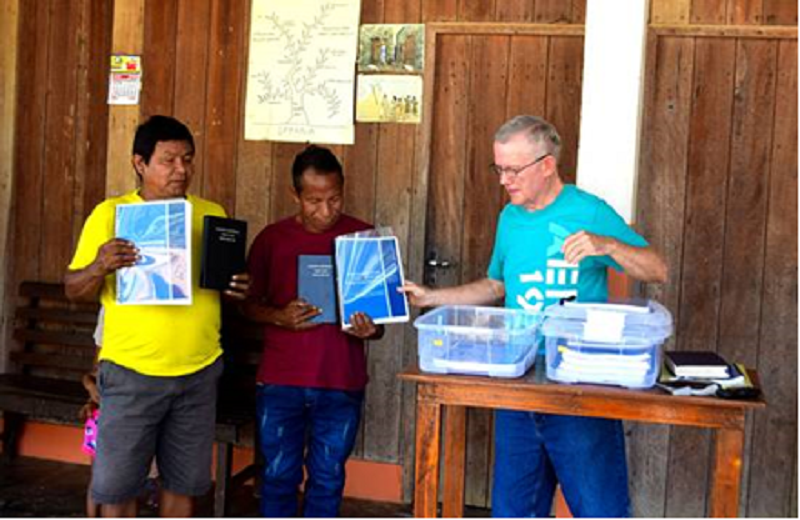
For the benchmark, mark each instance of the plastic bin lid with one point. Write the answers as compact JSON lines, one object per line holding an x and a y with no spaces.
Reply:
{"x":609,"y":322}
{"x":476,"y":318}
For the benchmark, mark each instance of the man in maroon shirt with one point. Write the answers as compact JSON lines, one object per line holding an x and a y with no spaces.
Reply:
{"x":312,"y":376}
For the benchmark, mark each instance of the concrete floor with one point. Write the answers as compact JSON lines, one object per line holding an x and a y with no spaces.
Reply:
{"x":40,"y":488}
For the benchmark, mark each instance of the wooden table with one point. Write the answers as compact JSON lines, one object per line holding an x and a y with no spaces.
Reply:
{"x":534,"y":393}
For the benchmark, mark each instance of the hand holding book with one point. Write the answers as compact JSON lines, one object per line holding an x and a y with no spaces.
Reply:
{"x":238,"y":288}
{"x":115,"y":254}
{"x":296,"y":315}
{"x":362,"y":326}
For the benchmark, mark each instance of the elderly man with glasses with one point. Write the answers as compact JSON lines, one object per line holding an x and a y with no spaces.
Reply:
{"x":553,"y":241}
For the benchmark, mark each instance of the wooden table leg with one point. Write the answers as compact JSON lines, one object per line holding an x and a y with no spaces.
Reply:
{"x":426,"y":478}
{"x":727,"y":474}
{"x":455,"y":425}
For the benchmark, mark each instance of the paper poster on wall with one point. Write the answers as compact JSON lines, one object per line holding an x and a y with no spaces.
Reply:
{"x":391,"y":48}
{"x":125,"y":80}
{"x":386,"y":98}
{"x":300,"y":77}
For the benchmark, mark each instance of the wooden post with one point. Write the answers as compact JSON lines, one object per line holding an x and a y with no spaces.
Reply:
{"x":128,"y":38}
{"x":9,"y":23}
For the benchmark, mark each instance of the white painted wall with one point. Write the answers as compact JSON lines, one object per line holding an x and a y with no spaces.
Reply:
{"x":611,"y":114}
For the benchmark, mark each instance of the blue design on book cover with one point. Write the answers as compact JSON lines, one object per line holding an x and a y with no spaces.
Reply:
{"x":368,"y":273}
{"x":162,"y":232}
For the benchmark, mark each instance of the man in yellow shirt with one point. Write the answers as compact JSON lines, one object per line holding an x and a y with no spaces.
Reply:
{"x":159,"y":364}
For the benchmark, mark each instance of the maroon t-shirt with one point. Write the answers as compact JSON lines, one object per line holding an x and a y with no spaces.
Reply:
{"x":321,"y":357}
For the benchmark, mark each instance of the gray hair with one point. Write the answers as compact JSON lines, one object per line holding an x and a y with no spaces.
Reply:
{"x":535,"y":129}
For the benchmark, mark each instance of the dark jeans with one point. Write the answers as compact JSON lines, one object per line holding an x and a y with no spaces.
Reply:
{"x":534,"y":451}
{"x":305,"y":426}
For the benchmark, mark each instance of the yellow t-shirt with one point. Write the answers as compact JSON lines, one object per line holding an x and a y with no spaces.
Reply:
{"x":155,"y":340}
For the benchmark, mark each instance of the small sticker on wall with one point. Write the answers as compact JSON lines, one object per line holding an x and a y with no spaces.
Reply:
{"x":125,"y":80}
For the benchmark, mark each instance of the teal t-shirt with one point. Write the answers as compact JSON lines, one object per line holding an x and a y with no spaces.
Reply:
{"x":527,"y":255}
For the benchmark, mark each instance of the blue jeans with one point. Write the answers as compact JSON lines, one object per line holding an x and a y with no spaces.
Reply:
{"x":308,"y":426}
{"x":535,"y":451}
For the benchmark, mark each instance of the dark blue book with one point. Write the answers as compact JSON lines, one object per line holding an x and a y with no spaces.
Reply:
{"x":316,"y":285}
{"x":368,"y":273}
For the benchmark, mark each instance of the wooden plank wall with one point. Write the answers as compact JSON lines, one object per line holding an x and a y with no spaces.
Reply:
{"x":719,"y":196}
{"x":722,"y":184}
{"x":61,"y":130}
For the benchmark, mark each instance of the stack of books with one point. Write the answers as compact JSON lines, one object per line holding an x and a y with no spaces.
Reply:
{"x":704,"y":373}
{"x":701,"y":365}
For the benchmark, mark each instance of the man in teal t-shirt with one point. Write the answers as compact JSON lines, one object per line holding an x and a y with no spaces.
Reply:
{"x":528,"y":256}
{"x":553,"y":241}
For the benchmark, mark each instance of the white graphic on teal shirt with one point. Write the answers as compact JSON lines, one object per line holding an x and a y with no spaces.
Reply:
{"x":559,"y":280}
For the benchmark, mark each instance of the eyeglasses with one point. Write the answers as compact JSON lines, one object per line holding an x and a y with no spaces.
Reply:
{"x":514,"y":171}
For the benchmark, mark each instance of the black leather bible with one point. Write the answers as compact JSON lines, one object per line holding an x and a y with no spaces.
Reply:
{"x":223,"y":254}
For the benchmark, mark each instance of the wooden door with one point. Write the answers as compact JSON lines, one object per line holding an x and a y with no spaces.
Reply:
{"x":483,"y":75}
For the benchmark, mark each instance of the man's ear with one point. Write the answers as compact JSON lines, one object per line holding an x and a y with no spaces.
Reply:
{"x":551,"y":166}
{"x":295,"y":194}
{"x":138,"y":164}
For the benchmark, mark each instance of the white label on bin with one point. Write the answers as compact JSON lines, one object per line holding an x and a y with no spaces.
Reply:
{"x":603,"y":326}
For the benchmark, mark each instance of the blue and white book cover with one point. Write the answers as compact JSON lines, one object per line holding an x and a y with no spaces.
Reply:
{"x":162,"y":231}
{"x":369,"y":271}
{"x":315,"y":285}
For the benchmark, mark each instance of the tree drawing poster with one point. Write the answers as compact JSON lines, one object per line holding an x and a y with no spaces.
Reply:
{"x":301,"y":71}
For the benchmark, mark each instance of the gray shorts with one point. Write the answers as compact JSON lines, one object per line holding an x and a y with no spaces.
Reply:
{"x":171,"y":418}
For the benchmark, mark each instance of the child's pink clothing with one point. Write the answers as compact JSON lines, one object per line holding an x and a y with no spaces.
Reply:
{"x":90,"y":433}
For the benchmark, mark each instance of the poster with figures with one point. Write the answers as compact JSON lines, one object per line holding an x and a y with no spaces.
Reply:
{"x":391,"y":48}
{"x":301,"y":68}
{"x":388,"y":99}
{"x":390,"y":65}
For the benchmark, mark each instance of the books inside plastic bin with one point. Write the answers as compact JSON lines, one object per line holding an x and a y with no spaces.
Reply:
{"x":369,"y":271}
{"x":161,"y":230}
{"x":701,"y":364}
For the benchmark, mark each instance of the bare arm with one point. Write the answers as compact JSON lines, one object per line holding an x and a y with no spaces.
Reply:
{"x":641,"y":263}
{"x":84,"y":285}
{"x":480,"y":292}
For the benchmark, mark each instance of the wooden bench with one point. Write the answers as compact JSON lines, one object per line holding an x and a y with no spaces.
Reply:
{"x":54,"y":347}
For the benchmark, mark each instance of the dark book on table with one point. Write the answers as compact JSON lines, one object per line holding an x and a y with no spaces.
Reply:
{"x":700,"y":364}
{"x":223,"y":253}
{"x":316,"y":285}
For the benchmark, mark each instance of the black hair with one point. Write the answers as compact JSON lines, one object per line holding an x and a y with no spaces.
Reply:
{"x":321,"y":159}
{"x":156,"y":129}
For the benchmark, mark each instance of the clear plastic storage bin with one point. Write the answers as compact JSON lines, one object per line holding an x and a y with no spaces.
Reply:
{"x":606,"y":343}
{"x":489,"y":341}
